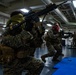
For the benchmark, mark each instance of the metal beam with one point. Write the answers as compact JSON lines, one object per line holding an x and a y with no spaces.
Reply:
{"x":4,"y":14}
{"x":3,"y":4}
{"x":57,"y":11}
{"x":24,"y":4}
{"x":39,"y":7}
{"x":71,"y":5}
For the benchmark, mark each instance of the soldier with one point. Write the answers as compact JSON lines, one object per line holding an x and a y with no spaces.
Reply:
{"x":51,"y":49}
{"x":17,"y":46}
{"x":57,"y":41}
{"x":53,"y":43}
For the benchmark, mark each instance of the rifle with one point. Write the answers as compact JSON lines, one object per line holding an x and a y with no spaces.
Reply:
{"x":34,"y":16}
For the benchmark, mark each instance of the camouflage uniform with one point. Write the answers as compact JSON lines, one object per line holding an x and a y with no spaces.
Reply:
{"x":53,"y":43}
{"x":16,"y":67}
{"x":23,"y":51}
{"x":37,"y":32}
{"x":58,"y":47}
{"x":51,"y":49}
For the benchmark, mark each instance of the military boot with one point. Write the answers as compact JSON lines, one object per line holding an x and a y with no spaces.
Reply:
{"x":43,"y":58}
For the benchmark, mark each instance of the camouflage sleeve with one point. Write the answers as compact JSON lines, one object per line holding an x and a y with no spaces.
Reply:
{"x":17,"y":41}
{"x":50,"y":34}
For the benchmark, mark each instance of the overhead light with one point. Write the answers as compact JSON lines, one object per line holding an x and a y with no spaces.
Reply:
{"x":46,"y":30}
{"x":3,"y":28}
{"x":40,"y":19}
{"x":61,"y":29}
{"x":49,"y":25}
{"x":74,"y":3}
{"x":4,"y":25}
{"x":24,"y":10}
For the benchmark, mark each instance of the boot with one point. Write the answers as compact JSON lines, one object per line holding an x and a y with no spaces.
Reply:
{"x":57,"y":60}
{"x":43,"y":58}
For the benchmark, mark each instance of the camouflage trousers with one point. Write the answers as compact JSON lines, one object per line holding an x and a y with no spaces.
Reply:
{"x":51,"y":49}
{"x":32,"y":65}
{"x":58,"y":48}
{"x":54,"y":50}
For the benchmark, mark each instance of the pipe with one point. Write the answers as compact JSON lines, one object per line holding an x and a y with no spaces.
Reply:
{"x":4,"y":14}
{"x":59,"y":13}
